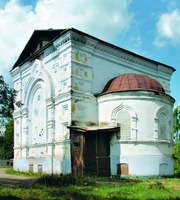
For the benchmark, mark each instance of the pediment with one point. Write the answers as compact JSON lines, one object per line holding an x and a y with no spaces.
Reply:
{"x":36,"y":44}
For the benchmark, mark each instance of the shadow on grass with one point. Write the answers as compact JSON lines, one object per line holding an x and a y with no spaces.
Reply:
{"x":86,"y":188}
{"x":113,"y":190}
{"x":10,"y":197}
{"x":69,"y":193}
{"x":11,"y":183}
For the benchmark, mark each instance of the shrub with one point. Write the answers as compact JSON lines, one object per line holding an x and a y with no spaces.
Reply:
{"x":57,"y":180}
{"x":176,"y":152}
{"x":158,"y":186}
{"x":177,"y":168}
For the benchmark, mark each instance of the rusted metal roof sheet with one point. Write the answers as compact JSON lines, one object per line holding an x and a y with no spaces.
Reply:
{"x":128,"y":82}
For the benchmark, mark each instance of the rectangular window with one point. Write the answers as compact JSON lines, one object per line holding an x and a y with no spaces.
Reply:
{"x":31,"y":168}
{"x":39,"y":168}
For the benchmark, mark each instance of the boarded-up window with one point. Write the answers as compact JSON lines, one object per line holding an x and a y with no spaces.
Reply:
{"x":124,"y":120}
{"x":39,"y":168}
{"x":162,"y":130}
{"x":122,"y":169}
{"x":31,"y":168}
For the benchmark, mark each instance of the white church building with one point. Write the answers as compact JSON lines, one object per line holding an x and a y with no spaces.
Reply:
{"x":88,"y":107}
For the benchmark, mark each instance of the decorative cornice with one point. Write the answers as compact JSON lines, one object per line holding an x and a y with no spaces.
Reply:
{"x":61,"y":41}
{"x":50,"y":101}
{"x":121,"y":54}
{"x":164,"y":70}
{"x":113,"y":51}
{"x":81,"y":96}
{"x":62,"y":97}
{"x":92,"y":43}
{"x":137,"y":95}
{"x":45,"y":144}
{"x":138,"y":141}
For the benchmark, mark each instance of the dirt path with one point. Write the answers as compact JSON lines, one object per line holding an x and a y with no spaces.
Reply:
{"x":14,"y":180}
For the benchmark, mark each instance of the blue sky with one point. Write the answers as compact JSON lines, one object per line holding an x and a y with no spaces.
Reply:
{"x":150,"y":28}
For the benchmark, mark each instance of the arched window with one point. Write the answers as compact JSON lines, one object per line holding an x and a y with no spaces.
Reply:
{"x":124,"y":120}
{"x":38,"y":116}
{"x":127,"y":118}
{"x":38,"y":89}
{"x":162,"y":126}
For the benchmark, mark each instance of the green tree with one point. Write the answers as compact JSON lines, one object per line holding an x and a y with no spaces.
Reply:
{"x":176,"y":149}
{"x":9,"y":140}
{"x":176,"y":115}
{"x":7,"y":99}
{"x":2,"y":153}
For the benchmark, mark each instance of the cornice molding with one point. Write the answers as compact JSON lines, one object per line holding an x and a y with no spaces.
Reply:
{"x":119,"y":54}
{"x":62,"y":97}
{"x":61,"y":41}
{"x":105,"y":50}
{"x":144,"y":141}
{"x":92,"y":43}
{"x":136,"y":95}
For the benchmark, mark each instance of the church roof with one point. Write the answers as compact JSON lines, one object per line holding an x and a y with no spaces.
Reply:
{"x":132,"y":82}
{"x":41,"y":39}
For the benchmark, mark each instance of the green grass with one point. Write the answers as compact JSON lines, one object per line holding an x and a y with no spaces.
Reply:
{"x":18,"y":173}
{"x":5,"y":166}
{"x":94,"y":188}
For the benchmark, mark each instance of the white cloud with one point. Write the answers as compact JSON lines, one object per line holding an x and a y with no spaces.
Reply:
{"x":13,"y":34}
{"x":168,"y":29}
{"x":102,"y":18}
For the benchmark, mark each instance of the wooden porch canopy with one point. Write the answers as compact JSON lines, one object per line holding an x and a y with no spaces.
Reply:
{"x":88,"y":129}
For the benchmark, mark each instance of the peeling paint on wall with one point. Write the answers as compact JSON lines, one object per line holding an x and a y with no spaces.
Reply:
{"x":77,"y":55}
{"x":73,"y":108}
{"x":85,"y":74}
{"x":85,"y":58}
{"x":81,"y":57}
{"x":77,"y":87}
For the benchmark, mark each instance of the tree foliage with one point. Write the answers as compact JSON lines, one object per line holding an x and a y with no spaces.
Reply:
{"x":7,"y":141}
{"x":176,"y":149}
{"x":176,"y":115}
{"x":7,"y":99}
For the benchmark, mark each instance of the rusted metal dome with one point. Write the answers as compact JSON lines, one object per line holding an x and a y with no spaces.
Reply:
{"x":128,"y":82}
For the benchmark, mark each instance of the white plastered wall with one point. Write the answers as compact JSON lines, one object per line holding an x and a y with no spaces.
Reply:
{"x":145,"y":153}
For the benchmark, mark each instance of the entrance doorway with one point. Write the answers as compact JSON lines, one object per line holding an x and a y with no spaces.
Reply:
{"x":97,"y":154}
{"x":90,"y":153}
